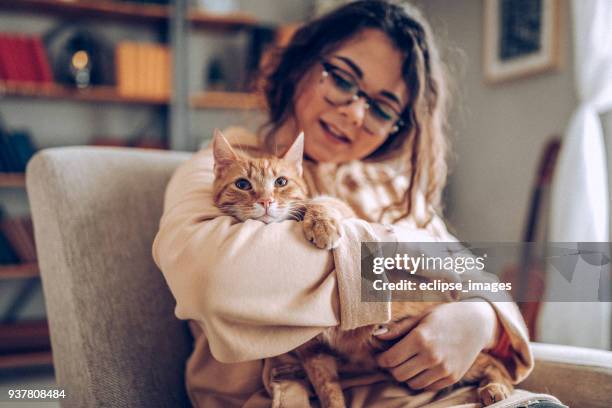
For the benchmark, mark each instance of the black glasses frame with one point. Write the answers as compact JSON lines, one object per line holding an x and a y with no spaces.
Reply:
{"x":360,"y":93}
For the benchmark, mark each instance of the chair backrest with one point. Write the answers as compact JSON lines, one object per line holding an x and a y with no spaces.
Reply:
{"x":115,"y":339}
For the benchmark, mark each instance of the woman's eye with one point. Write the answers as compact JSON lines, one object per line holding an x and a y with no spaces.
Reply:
{"x":280,"y":182}
{"x":382,"y":112}
{"x":342,"y":83}
{"x":243,"y":184}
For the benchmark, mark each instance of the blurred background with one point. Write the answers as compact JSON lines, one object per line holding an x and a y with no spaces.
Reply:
{"x":163,"y":74}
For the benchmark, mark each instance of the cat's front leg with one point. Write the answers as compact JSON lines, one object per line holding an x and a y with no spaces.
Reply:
{"x":323,"y":221}
{"x":322,"y":370}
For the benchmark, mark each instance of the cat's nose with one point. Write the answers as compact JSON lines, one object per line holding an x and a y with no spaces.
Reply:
{"x":266,"y":202}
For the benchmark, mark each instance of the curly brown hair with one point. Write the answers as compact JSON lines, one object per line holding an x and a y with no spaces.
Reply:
{"x":422,"y":140}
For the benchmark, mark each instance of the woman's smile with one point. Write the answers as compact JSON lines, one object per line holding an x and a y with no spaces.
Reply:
{"x":333,"y":134}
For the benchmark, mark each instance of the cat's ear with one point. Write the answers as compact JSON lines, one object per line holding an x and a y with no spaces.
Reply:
{"x":222,"y":151}
{"x":295,"y":153}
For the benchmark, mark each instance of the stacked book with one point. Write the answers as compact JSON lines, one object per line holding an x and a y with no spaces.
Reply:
{"x":23,"y":58}
{"x":17,"y":241}
{"x":16,"y":149}
{"x":143,"y":69}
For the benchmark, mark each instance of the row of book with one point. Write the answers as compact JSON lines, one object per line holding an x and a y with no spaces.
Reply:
{"x":17,"y":243}
{"x":24,"y":58}
{"x":143,"y":69}
{"x":16,"y":149}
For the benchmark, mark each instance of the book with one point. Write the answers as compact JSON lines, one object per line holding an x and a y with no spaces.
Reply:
{"x":23,"y":148}
{"x":142,"y":69}
{"x":26,"y":228}
{"x":16,"y":149}
{"x":41,"y":61}
{"x":9,"y":63}
{"x":125,"y":59}
{"x":19,"y":232}
{"x":167,"y":72}
{"x":8,"y":254}
{"x":8,"y":154}
{"x":23,"y":57}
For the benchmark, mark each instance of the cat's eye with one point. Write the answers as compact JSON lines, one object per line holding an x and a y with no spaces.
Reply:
{"x":243,"y":184}
{"x":280,"y":182}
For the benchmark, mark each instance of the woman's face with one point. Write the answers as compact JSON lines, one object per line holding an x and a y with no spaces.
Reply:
{"x":335,"y":132}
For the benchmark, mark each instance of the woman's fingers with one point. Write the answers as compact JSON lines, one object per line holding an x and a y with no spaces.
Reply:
{"x":409,"y":369}
{"x":396,"y":329}
{"x":427,"y":377}
{"x":401,"y":351}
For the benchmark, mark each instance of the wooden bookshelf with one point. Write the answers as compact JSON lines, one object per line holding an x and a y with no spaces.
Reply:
{"x":18,"y":271}
{"x":109,"y":94}
{"x":16,"y":180}
{"x":99,"y":9}
{"x":25,"y":343}
{"x":226,"y":100}
{"x":225,"y":22}
{"x":29,"y":359}
{"x":104,"y":94}
{"x":129,"y":12}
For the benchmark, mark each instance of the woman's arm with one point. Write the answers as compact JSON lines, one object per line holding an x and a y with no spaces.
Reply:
{"x":257,"y":290}
{"x":448,"y":339}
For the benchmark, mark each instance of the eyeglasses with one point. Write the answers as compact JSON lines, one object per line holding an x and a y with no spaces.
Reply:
{"x":342,"y":89}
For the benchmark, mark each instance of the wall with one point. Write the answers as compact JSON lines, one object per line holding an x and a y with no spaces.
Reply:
{"x":498,"y":131}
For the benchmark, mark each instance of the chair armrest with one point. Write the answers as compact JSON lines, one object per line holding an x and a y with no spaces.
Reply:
{"x":578,"y":376}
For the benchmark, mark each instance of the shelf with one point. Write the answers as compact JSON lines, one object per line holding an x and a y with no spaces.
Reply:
{"x":19,"y":360}
{"x":109,"y":94}
{"x":225,"y":22}
{"x":105,"y":94}
{"x":103,"y":9}
{"x":12,"y":180}
{"x":17,"y":271}
{"x":25,"y":343}
{"x":131,"y":12}
{"x":226,"y":100}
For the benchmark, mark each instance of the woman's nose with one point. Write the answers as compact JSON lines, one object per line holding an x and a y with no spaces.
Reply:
{"x":354,"y":111}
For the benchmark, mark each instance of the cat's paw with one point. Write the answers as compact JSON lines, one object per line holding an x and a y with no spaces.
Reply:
{"x":493,"y":392}
{"x":323,"y":231}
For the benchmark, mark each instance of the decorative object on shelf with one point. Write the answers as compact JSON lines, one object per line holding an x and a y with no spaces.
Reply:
{"x":83,"y":59}
{"x":520,"y":38}
{"x":217,"y":6}
{"x":215,"y":76}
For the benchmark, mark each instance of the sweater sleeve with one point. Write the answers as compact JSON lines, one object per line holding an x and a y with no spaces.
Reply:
{"x":257,"y":290}
{"x":512,"y":347}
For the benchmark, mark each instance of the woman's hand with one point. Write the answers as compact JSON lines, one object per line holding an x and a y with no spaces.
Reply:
{"x":438,"y":349}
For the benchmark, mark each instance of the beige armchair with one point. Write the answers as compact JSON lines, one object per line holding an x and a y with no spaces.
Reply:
{"x":115,"y":339}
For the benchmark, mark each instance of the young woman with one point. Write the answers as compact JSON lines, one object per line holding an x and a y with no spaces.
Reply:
{"x":366,"y":86}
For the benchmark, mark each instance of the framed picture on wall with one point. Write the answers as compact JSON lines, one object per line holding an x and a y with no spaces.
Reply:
{"x":520,"y":38}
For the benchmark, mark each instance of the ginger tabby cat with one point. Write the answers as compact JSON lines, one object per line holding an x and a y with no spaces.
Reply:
{"x":271,"y":189}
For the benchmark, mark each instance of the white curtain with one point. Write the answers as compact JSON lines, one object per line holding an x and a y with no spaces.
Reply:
{"x":580,"y":199}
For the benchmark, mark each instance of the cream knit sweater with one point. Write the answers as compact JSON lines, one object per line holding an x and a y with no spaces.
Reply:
{"x":253,"y":292}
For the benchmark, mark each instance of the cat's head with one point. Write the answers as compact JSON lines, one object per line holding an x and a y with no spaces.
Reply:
{"x":268,"y":189}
